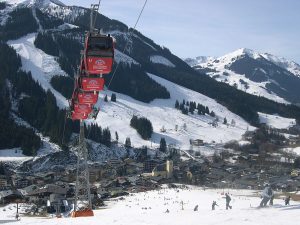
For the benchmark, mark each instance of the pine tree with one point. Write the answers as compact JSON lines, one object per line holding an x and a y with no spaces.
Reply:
{"x":225,"y":121}
{"x":105,"y":98}
{"x":113,"y":97}
{"x":212,"y":114}
{"x":117,"y":136}
{"x":127,"y":143}
{"x":177,"y":104}
{"x":162,"y":145}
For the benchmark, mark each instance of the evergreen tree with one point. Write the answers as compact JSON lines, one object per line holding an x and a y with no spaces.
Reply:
{"x":117,"y":136}
{"x":113,"y":97}
{"x":143,"y":126}
{"x":105,"y":98}
{"x":212,"y":114}
{"x":162,"y":145}
{"x":127,"y":143}
{"x":177,"y":104}
{"x":225,"y":121}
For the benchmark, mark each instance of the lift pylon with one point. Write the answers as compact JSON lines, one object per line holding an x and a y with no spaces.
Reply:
{"x":83,"y":202}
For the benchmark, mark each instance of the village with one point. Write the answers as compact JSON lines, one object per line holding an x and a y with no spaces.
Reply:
{"x":53,"y":191}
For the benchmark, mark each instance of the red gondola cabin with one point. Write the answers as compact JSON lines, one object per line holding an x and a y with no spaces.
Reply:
{"x":82,"y":108}
{"x":91,"y":84}
{"x":79,"y":116}
{"x":87,"y":98}
{"x":99,"y":53}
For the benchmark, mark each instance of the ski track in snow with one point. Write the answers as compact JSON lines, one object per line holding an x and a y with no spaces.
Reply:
{"x":149,"y":208}
{"x":161,"y":112}
{"x":42,"y":66}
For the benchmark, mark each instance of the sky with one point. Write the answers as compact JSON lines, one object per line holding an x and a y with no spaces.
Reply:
{"x":193,"y":28}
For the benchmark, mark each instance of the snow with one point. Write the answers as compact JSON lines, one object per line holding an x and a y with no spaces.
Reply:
{"x":293,"y":150}
{"x":291,"y":66}
{"x":42,"y":66}
{"x":161,"y":112}
{"x":149,"y":208}
{"x":230,"y":77}
{"x":123,"y":58}
{"x":198,"y":60}
{"x":276,"y":121}
{"x":15,"y":154}
{"x":161,"y":60}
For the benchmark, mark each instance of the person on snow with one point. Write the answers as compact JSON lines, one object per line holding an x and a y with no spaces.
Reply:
{"x":196,"y":208}
{"x":228,"y":199}
{"x":272,"y":196}
{"x":266,"y":195}
{"x":213,"y":206}
{"x":287,"y":200}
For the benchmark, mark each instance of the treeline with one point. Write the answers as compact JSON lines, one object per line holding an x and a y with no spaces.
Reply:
{"x":238,"y":102}
{"x":46,"y":43}
{"x":67,"y":50}
{"x":143,"y":126}
{"x":19,"y":23}
{"x":63,"y":85}
{"x":97,"y":134}
{"x":2,"y":5}
{"x":132,"y":80}
{"x":190,"y":107}
{"x":11,"y":134}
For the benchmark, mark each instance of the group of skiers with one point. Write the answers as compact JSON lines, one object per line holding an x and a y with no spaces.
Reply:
{"x":228,"y":200}
{"x":268,"y":195}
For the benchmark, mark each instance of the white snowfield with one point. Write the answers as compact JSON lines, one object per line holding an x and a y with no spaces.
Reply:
{"x":256,"y":88}
{"x":117,"y":116}
{"x":14,"y":154}
{"x":161,"y":60}
{"x":276,"y":121}
{"x":42,"y":66}
{"x":149,"y":208}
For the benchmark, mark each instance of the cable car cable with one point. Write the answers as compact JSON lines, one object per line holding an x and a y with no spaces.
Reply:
{"x":130,"y":34}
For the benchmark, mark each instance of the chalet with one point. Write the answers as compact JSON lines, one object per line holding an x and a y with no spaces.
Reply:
{"x":197,"y":142}
{"x":10,"y":196}
{"x":3,"y":183}
{"x":164,"y":170}
{"x":149,"y":165}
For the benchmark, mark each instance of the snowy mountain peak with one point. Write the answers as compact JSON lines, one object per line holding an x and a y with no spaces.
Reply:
{"x":37,"y":3}
{"x":198,"y":60}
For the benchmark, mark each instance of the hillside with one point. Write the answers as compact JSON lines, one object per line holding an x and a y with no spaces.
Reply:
{"x":150,"y":208}
{"x":260,"y":74}
{"x":48,"y":43}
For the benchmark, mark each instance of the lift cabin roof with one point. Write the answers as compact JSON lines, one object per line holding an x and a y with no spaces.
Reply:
{"x":99,"y":54}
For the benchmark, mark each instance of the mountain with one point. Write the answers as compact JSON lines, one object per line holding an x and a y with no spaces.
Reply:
{"x":259,"y":74}
{"x":198,"y":60}
{"x":40,"y":50}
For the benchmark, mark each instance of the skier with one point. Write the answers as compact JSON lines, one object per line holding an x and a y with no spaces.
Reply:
{"x":287,"y":200}
{"x":266,"y":195}
{"x":196,"y":208}
{"x":271,"y":193}
{"x":228,"y":199}
{"x":214,"y":204}
{"x":17,"y":216}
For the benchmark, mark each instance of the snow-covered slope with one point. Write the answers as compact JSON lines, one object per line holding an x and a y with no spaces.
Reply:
{"x":258,"y":74}
{"x":276,"y":121}
{"x":42,"y":66}
{"x":284,"y":63}
{"x":150,"y":208}
{"x":161,"y":113}
{"x":198,"y":60}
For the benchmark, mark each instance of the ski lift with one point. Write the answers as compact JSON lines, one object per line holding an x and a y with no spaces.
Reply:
{"x":88,"y":97}
{"x":91,"y":83}
{"x":82,"y":108}
{"x":79,"y":116}
{"x":99,"y":53}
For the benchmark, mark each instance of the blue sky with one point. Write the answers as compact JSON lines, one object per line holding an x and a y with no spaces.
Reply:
{"x":212,"y":27}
